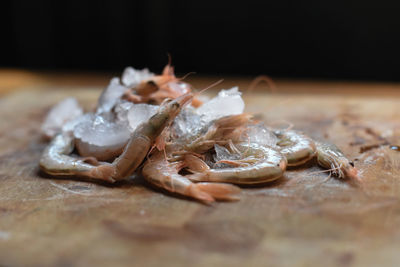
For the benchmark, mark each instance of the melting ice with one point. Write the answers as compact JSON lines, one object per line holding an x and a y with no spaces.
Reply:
{"x":66,"y":110}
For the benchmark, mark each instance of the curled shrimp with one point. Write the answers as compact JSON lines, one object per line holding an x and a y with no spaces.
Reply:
{"x":56,"y":160}
{"x":220,"y":131}
{"x":299,"y":148}
{"x":158,"y":171}
{"x":329,"y":156}
{"x":296,"y":147}
{"x":265,"y":164}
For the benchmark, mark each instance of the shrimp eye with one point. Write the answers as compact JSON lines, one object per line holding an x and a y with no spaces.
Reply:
{"x":351,"y":163}
{"x":152,"y":83}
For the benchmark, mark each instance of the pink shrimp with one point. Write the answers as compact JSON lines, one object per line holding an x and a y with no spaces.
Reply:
{"x":158,"y":171}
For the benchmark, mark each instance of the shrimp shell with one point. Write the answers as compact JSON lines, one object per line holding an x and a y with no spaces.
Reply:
{"x":55,"y":159}
{"x":329,"y":156}
{"x":296,"y":147}
{"x":270,"y":166}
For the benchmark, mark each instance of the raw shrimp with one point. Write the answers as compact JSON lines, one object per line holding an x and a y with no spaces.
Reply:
{"x":160,"y":87}
{"x":215,"y":143}
{"x":56,"y":161}
{"x":330,"y":157}
{"x":220,"y":131}
{"x":299,"y":148}
{"x":296,"y":147}
{"x":266,"y":164}
{"x":144,"y":90}
{"x":158,"y":171}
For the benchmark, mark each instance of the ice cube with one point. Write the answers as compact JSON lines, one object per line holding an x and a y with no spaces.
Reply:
{"x":98,"y":137}
{"x":110,"y":96}
{"x":63,"y":112}
{"x":179,"y":88}
{"x":139,"y":113}
{"x":261,"y":135}
{"x":97,"y":130}
{"x":70,"y":125}
{"x":227,"y":102}
{"x":188,"y":123}
{"x":121,"y":110}
{"x":132,"y":77}
{"x":222,"y":153}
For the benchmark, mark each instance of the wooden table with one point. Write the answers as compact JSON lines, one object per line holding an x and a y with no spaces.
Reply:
{"x":304,"y":219}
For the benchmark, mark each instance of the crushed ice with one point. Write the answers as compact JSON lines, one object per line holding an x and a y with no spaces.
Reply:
{"x":227,"y":102}
{"x":190,"y":122}
{"x":260,"y":134}
{"x":95,"y":129}
{"x":132,"y":77}
{"x":140,"y":113}
{"x":110,"y":127}
{"x":222,"y":153}
{"x":110,"y":96}
{"x":63,"y":112}
{"x":96,"y":136}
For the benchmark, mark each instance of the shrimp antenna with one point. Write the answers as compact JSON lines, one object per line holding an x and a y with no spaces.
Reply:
{"x":186,"y":75}
{"x":169,"y":59}
{"x":316,"y":172}
{"x":168,"y":69}
{"x":210,"y":86}
{"x":328,"y":170}
{"x":263,"y":78}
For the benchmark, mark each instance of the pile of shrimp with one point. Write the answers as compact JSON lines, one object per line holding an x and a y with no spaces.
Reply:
{"x":158,"y":127}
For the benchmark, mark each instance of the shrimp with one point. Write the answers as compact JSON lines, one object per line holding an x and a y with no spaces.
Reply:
{"x":267,"y":164}
{"x":144,"y":90}
{"x":55,"y":159}
{"x":296,"y":147}
{"x":158,"y":171}
{"x":330,"y":157}
{"x":220,"y":131}
{"x":160,"y":87}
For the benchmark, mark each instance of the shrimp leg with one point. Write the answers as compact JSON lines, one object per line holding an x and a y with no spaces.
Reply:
{"x":158,"y":171}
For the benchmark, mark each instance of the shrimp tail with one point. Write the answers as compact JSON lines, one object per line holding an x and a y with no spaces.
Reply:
{"x":197,"y":193}
{"x":209,"y":192}
{"x":104,"y":172}
{"x":220,"y":191}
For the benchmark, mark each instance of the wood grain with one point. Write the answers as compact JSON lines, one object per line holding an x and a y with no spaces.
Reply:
{"x":304,"y":219}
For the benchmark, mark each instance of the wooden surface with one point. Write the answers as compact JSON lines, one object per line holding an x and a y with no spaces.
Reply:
{"x":301,"y":220}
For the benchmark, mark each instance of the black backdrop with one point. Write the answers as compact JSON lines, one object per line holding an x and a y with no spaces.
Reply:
{"x":311,"y":39}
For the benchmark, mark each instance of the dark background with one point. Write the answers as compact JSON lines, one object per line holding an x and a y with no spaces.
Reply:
{"x":303,"y":39}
